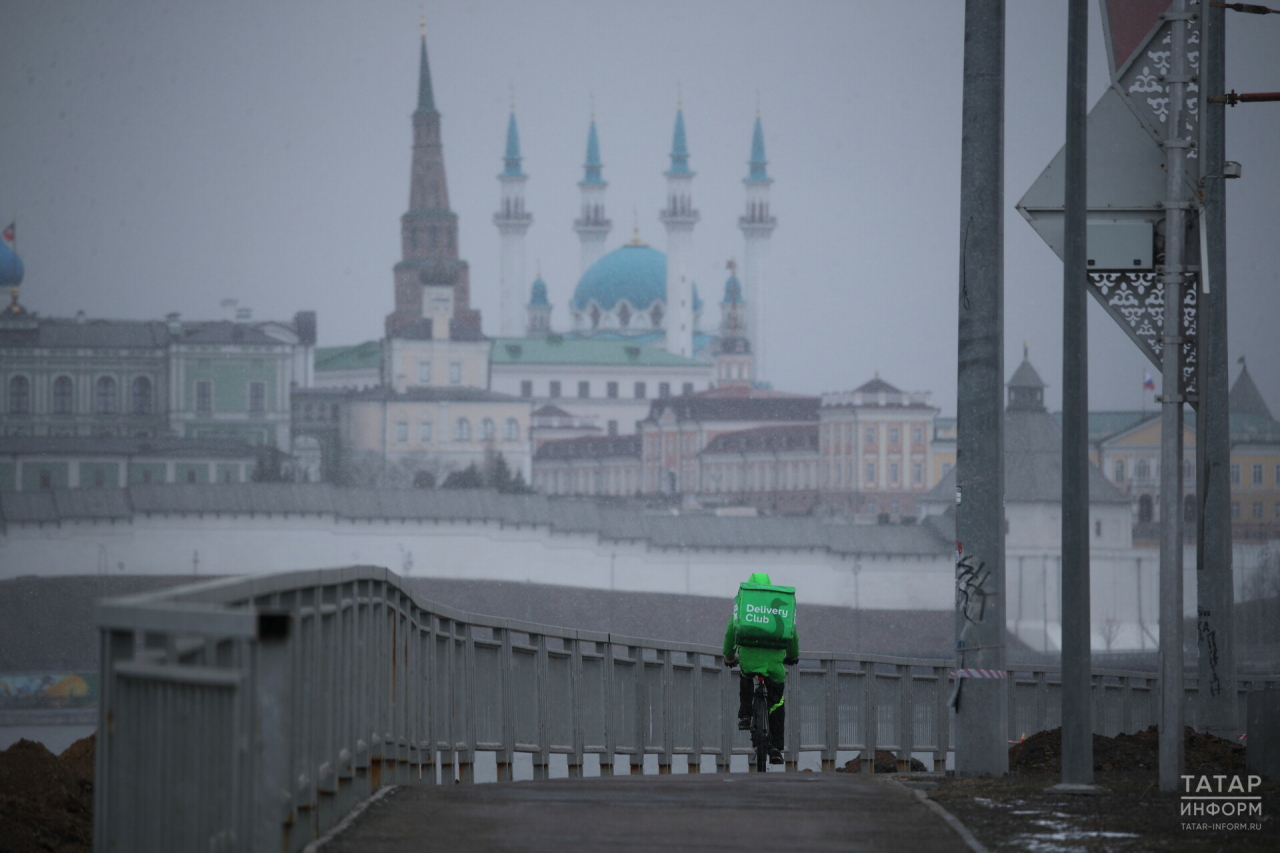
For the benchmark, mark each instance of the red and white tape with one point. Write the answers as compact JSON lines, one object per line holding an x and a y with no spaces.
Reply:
{"x":978,"y":673}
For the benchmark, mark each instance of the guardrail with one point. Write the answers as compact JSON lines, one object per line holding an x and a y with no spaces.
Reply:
{"x":253,"y":714}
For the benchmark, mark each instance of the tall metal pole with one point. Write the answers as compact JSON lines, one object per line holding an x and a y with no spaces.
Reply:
{"x":1176,"y":143}
{"x":981,"y":704}
{"x":1077,"y":698}
{"x":1214,"y":583}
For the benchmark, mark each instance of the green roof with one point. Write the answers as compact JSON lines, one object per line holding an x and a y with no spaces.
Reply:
{"x":365,"y":356}
{"x":558,"y":349}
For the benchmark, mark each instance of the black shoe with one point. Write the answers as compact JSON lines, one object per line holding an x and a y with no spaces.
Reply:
{"x":775,"y":756}
{"x":744,"y":724}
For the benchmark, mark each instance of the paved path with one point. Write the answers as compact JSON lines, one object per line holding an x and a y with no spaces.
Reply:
{"x":743,"y":813}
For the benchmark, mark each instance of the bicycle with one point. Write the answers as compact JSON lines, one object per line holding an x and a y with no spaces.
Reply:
{"x":760,"y":723}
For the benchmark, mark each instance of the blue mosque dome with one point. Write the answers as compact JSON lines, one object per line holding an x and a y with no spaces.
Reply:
{"x":11,"y":266}
{"x":635,"y":272}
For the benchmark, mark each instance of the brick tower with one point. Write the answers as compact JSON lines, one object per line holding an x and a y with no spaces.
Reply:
{"x":429,"y":229}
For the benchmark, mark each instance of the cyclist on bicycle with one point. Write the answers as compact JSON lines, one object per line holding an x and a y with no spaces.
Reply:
{"x":768,"y":662}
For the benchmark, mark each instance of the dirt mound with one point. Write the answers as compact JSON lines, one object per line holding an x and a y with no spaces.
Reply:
{"x":886,"y":762}
{"x":46,"y":801}
{"x":1042,"y":752}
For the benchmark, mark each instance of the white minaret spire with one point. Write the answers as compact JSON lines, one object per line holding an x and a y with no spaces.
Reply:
{"x":679,"y":217}
{"x":513,"y":222}
{"x":592,"y":226}
{"x":757,"y":224}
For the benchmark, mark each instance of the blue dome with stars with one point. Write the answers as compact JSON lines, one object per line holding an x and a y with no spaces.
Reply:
{"x":635,"y":272}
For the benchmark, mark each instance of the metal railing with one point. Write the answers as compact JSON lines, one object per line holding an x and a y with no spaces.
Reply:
{"x":254,"y":713}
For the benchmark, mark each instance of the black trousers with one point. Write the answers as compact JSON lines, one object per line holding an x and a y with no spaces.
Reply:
{"x":777,"y":718}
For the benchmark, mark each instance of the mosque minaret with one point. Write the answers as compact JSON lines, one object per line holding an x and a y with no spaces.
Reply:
{"x":757,"y":224}
{"x":679,"y":217}
{"x":592,"y":226}
{"x":513,"y":223}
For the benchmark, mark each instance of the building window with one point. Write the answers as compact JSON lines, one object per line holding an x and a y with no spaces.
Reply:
{"x":1119,"y":470}
{"x":917,"y":435}
{"x":402,"y":431}
{"x":141,"y":403}
{"x":686,"y":389}
{"x":1257,"y":510}
{"x":893,"y":435}
{"x":63,"y":391}
{"x":1257,"y":474}
{"x":946,"y":468}
{"x":19,"y":396}
{"x":917,"y":473}
{"x":1276,"y":477}
{"x":1235,"y":473}
{"x":611,"y":390}
{"x":871,"y":435}
{"x":1278,"y":509}
{"x":424,"y":373}
{"x":1097,"y":527}
{"x":584,"y":390}
{"x":99,"y":478}
{"x":425,"y":432}
{"x":512,"y":431}
{"x":104,"y":398}
{"x":257,"y":397}
{"x":1142,"y":470}
{"x":640,"y":391}
{"x":46,"y":480}
{"x":486,"y":429}
{"x":1235,"y":509}
{"x":462,"y":430}
{"x":526,"y":387}
{"x":893,"y":472}
{"x":871,"y":472}
{"x":191,"y":476}
{"x":455,"y":373}
{"x":1146,"y":509}
{"x":664,"y":389}
{"x":555,"y":387}
{"x":613,"y":427}
{"x":204,"y":396}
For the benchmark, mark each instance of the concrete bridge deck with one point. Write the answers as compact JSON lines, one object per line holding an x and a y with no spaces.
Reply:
{"x":730,"y":812}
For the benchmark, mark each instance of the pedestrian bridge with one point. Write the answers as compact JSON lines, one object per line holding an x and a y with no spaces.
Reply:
{"x":255,"y":713}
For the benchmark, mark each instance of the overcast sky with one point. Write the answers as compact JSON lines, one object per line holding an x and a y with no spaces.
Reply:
{"x":166,"y":156}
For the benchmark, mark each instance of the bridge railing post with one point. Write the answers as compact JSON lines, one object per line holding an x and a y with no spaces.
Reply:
{"x":728,"y":716}
{"x":467,"y":694}
{"x":504,"y":758}
{"x":272,"y":790}
{"x":608,"y":697}
{"x":870,"y":717}
{"x":906,"y":716}
{"x":542,"y":757}
{"x":665,"y":710}
{"x":941,"y":729}
{"x":575,"y":759}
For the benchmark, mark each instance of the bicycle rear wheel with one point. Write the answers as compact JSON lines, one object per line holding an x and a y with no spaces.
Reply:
{"x":760,"y":730}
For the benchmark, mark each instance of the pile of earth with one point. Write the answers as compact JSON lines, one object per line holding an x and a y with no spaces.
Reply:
{"x":886,"y":762}
{"x":1042,"y":752}
{"x":46,"y":800}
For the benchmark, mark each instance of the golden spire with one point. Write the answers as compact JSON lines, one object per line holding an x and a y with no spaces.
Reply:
{"x":679,"y":97}
{"x":422,"y":24}
{"x":512,"y":86}
{"x":593,"y":106}
{"x":635,"y":228}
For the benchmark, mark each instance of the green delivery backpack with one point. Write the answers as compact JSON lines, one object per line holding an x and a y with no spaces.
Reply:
{"x":764,"y":615}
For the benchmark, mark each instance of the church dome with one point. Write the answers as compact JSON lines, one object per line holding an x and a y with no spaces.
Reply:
{"x":11,"y":266}
{"x":635,"y":273}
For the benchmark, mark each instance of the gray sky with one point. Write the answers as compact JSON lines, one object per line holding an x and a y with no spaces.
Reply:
{"x":164,"y":156}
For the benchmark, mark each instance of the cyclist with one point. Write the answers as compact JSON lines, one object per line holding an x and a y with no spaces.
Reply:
{"x":768,"y":662}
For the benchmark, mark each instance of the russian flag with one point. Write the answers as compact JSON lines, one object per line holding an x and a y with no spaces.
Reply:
{"x":11,"y":233}
{"x":1148,"y":384}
